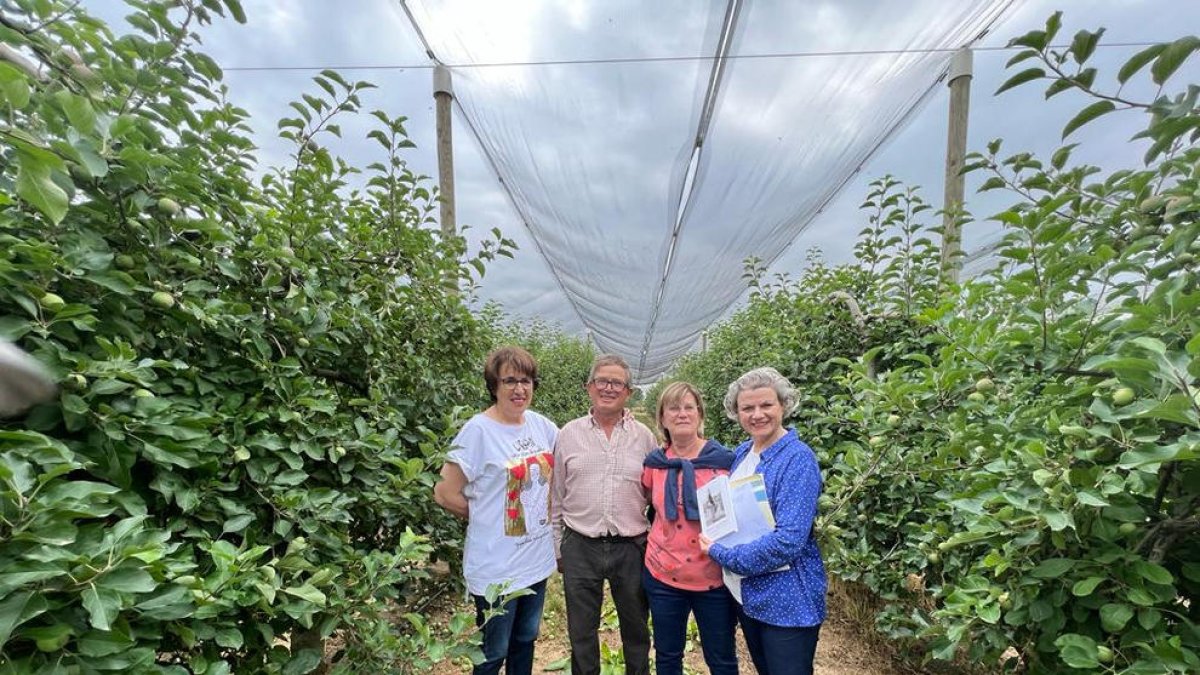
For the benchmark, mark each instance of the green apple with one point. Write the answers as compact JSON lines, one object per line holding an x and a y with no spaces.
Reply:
{"x":894,"y":420}
{"x":52,"y":302}
{"x":1123,"y":396}
{"x":168,"y":206}
{"x":162,"y":300}
{"x":984,"y":385}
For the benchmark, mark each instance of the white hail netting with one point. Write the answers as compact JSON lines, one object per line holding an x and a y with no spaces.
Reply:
{"x":596,"y":156}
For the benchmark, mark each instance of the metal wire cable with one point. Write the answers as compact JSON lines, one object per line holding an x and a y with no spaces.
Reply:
{"x":656,"y":59}
{"x":712,"y":91}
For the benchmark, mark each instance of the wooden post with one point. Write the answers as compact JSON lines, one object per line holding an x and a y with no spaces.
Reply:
{"x":703,"y":342}
{"x":958,"y":78}
{"x":443,"y":95}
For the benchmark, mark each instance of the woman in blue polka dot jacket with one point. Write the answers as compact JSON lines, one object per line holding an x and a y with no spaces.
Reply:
{"x":777,"y":579}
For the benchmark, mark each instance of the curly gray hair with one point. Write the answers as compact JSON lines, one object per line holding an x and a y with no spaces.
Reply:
{"x":761,"y":378}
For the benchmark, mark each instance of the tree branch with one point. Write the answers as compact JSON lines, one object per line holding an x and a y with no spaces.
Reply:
{"x":345,"y":379}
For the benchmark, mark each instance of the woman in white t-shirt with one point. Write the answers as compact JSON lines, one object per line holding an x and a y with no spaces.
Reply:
{"x":497,"y":478}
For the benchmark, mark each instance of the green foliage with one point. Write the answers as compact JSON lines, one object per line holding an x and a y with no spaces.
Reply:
{"x":1014,"y":464}
{"x":258,"y":377}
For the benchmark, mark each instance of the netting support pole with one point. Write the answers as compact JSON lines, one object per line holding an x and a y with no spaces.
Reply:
{"x":443,"y":96}
{"x":958,"y":78}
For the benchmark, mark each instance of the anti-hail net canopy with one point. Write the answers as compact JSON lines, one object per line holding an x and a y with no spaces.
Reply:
{"x":651,"y":147}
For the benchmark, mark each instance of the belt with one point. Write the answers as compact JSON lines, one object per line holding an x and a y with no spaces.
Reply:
{"x":610,"y":537}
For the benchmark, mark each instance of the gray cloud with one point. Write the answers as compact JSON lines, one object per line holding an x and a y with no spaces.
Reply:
{"x":374,"y":32}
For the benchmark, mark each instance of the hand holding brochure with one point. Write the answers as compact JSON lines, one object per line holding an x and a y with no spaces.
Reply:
{"x":735,"y":512}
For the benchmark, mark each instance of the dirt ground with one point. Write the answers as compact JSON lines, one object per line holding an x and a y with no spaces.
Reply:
{"x":841,"y":650}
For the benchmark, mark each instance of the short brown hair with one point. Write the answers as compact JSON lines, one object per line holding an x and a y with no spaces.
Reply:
{"x":611,"y":360}
{"x":673,"y":394}
{"x":515,"y":357}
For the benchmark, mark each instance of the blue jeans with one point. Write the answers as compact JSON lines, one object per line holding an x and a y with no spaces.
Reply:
{"x":779,"y":650}
{"x":508,"y":638}
{"x":715,"y":617}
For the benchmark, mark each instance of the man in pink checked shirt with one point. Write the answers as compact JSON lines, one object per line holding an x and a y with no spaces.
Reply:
{"x":598,"y":516}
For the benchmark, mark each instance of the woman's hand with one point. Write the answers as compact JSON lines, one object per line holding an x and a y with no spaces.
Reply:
{"x":705,"y":544}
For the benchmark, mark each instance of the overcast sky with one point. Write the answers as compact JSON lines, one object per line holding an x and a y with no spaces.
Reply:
{"x":632,"y":115}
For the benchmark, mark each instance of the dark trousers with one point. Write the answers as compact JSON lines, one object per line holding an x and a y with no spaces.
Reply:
{"x":715,"y":617}
{"x":779,"y":650}
{"x":508,"y":638}
{"x":586,"y":564}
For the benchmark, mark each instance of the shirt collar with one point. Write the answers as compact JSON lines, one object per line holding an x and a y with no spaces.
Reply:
{"x":626,"y":415}
{"x":788,"y":437}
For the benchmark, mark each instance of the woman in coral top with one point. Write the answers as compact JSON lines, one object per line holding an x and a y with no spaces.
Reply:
{"x":680,"y":580}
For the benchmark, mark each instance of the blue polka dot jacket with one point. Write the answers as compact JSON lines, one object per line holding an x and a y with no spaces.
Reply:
{"x":794,"y":596}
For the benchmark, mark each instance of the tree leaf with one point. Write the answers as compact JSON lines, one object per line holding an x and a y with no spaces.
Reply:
{"x":1059,"y":86}
{"x":307,"y":592}
{"x":95,"y":644}
{"x":1078,"y":651}
{"x":303,"y":662}
{"x":989,"y":612}
{"x":1085,"y":587}
{"x":1087,"y":115}
{"x":1084,"y":44}
{"x":1156,"y":574}
{"x":171,"y":603}
{"x":1114,"y":616}
{"x":235,"y":10}
{"x":1139,"y":61}
{"x":78,"y":110}
{"x":1027,"y":75}
{"x":1172,"y":57}
{"x":16,"y":609}
{"x":237,"y":523}
{"x":127,"y":580}
{"x":35,"y":185}
{"x":1052,"y":568}
{"x":229,"y":637}
{"x":102,"y":606}
{"x":14,"y":86}
{"x":1053,"y":24}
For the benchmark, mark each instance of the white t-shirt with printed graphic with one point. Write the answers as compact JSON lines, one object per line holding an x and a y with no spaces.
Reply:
{"x":508,"y":470}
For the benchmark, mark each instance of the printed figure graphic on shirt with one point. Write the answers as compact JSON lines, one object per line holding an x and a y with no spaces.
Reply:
{"x":527,"y":494}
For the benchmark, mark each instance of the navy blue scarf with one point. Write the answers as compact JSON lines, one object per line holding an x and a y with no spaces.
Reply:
{"x":712,"y":456}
